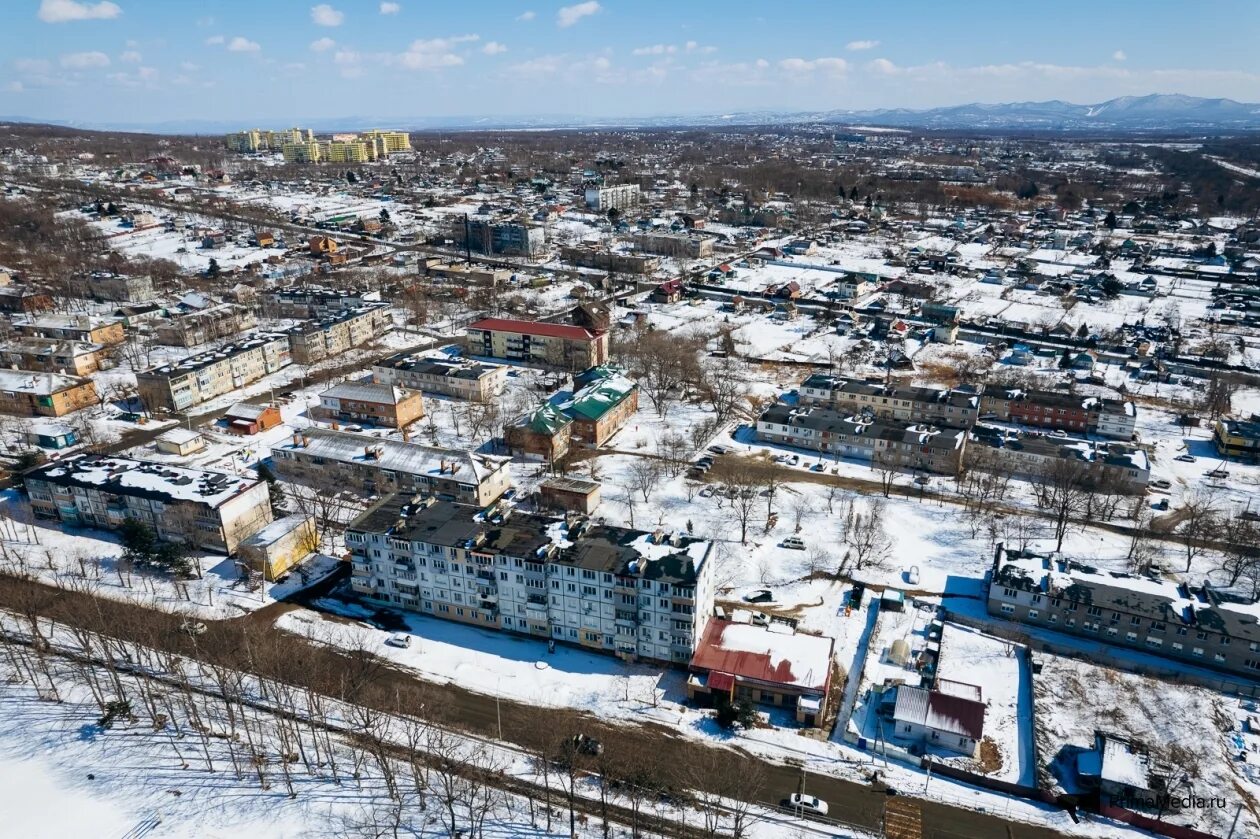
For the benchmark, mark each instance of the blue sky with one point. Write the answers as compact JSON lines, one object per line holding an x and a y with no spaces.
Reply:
{"x":273,"y":61}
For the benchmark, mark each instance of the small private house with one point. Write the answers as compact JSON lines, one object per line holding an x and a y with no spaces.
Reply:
{"x":374,"y":403}
{"x":278,"y":547}
{"x":949,"y":716}
{"x":601,"y":408}
{"x":542,"y":434}
{"x":180,"y":441}
{"x":49,"y":435}
{"x":244,"y":418}
{"x":773,"y":665}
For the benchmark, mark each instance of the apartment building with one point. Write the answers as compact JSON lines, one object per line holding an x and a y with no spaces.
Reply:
{"x":1239,"y":439}
{"x":192,"y":329}
{"x":601,"y":408}
{"x":473,"y":381}
{"x":386,"y":142}
{"x":87,"y":329}
{"x":25,"y":393}
{"x":370,"y":402}
{"x":119,"y":288}
{"x":201,"y":377}
{"x":50,"y":355}
{"x":905,"y":403}
{"x":330,"y":336}
{"x":881,"y":443}
{"x":1062,"y":411}
{"x":611,"y":589}
{"x":25,"y":300}
{"x":1199,"y":625}
{"x":509,"y":238}
{"x":313,"y":302}
{"x":602,"y":259}
{"x":253,"y":140}
{"x":1113,"y":465}
{"x":550,"y":344}
{"x":338,"y":459}
{"x":306,"y":151}
{"x":677,"y":245}
{"x":617,"y":197}
{"x":544,"y":433}
{"x":211,"y":510}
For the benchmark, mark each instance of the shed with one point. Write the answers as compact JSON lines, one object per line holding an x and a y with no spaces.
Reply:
{"x":51,"y":435}
{"x":892,"y":600}
{"x":180,"y":441}
{"x":280,"y":545}
{"x":899,"y":652}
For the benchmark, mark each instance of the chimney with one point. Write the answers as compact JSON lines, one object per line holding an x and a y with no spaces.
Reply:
{"x":306,"y":440}
{"x":442,"y":466}
{"x":369,"y":452}
{"x":297,"y":440}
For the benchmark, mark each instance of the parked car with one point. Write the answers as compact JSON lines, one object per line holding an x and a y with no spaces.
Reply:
{"x":399,"y":639}
{"x":1186,"y":458}
{"x":912,"y":575}
{"x":808,"y":805}
{"x":818,"y":467}
{"x":587,"y":745}
{"x":720,"y":449}
{"x":760,"y":595}
{"x":193,"y":628}
{"x":1161,"y":483}
{"x":793,"y":543}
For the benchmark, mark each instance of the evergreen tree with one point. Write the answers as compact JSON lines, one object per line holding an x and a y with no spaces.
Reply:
{"x":274,"y":489}
{"x":213,"y":270}
{"x":1110,"y":221}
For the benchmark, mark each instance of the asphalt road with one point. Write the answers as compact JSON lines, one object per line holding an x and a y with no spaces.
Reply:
{"x":857,"y":804}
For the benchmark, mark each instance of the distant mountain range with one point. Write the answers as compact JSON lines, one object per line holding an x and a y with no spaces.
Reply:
{"x":1154,"y":113}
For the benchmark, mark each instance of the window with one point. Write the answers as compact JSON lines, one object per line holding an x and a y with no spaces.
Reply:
{"x":1154,"y":642}
{"x":1252,"y":664}
{"x":1093,"y":611}
{"x":1135,"y":621}
{"x":1197,"y":651}
{"x":1225,"y":639}
{"x":1032,"y":614}
{"x":1130,"y":636}
{"x":1177,"y":646}
{"x":1009,"y":592}
{"x":1008,"y":609}
{"x":1181,"y":630}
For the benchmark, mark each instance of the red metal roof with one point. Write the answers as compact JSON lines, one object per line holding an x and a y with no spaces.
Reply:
{"x":721,"y":681}
{"x":811,"y":656}
{"x":530,"y":327}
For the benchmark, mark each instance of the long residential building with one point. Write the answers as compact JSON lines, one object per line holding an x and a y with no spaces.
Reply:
{"x":456,"y":377}
{"x":675,"y":245}
{"x":906,"y":403}
{"x":612,"y":589}
{"x":340,"y":460}
{"x":881,"y":443}
{"x":1111,"y":465}
{"x":192,"y":329}
{"x":312,"y":302}
{"x":1061,"y":411}
{"x":1199,"y":625}
{"x":533,"y":342}
{"x":201,"y":377}
{"x":1238,"y":439}
{"x":330,"y":336}
{"x":50,"y":355}
{"x":119,"y":288}
{"x":85,"y":328}
{"x":25,"y":393}
{"x":208,"y":509}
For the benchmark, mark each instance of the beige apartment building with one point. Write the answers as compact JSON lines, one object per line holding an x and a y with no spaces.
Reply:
{"x":85,"y":328}
{"x":198,"y":378}
{"x":340,"y":460}
{"x":459,"y":378}
{"x":50,"y":355}
{"x":319,"y":339}
{"x":24,"y":393}
{"x":370,"y":402}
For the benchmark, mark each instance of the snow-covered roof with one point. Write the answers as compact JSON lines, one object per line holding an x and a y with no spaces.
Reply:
{"x":38,"y":384}
{"x":395,"y":455}
{"x":125,"y":476}
{"x":776,"y":657}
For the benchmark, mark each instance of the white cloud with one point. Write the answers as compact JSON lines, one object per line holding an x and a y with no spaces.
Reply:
{"x":803,"y":66}
{"x":1119,"y":55}
{"x":657,"y":49}
{"x":131,"y":57}
{"x":205,"y":21}
{"x":494,"y":48}
{"x":883,"y":66}
{"x":326,"y":15}
{"x":241,"y":44}
{"x":188,"y":67}
{"x":15,"y":87}
{"x":32,"y":65}
{"x":215,"y":40}
{"x":434,"y":53}
{"x":761,"y":64}
{"x":390,"y":8}
{"x":526,"y":16}
{"x":859,"y":46}
{"x":147,"y":73}
{"x":63,"y":11}
{"x":323,"y":44}
{"x":84,"y":60}
{"x":569,"y":15}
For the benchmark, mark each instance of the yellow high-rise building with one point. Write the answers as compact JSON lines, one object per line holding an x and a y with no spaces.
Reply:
{"x":388,"y":142}
{"x":243,"y":141}
{"x":308,"y":152}
{"x":356,"y":151}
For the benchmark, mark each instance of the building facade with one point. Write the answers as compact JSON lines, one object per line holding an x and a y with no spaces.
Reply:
{"x":330,"y":336}
{"x":201,"y":377}
{"x":610,"y":589}
{"x":509,"y":238}
{"x":617,"y":197}
{"x":192,"y":329}
{"x":312,"y":302}
{"x":25,"y":393}
{"x":85,"y":328}
{"x":321,"y":458}
{"x":211,"y":510}
{"x":378,"y":404}
{"x":1198,"y":625}
{"x":550,"y":344}
{"x":906,"y":403}
{"x":119,"y":288}
{"x":50,"y":355}
{"x":459,"y":378}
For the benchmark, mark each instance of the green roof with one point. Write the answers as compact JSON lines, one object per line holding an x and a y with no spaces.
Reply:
{"x":548,"y":419}
{"x":600,"y":397}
